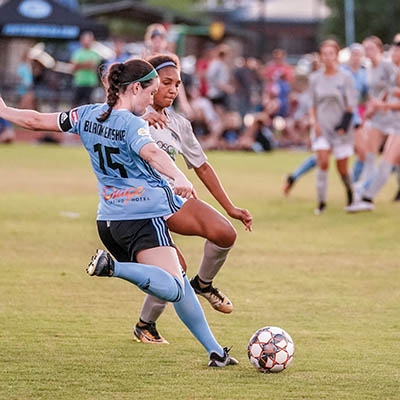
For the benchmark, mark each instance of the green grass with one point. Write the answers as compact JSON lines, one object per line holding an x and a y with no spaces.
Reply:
{"x":331,"y":281}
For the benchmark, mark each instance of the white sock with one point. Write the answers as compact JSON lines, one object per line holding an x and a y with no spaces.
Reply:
{"x":380,"y":178}
{"x":369,"y":166}
{"x":152,"y":308}
{"x":212,"y":261}
{"x":322,"y":184}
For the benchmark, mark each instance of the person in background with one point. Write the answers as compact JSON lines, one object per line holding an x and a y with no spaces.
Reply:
{"x":380,"y":75}
{"x":85,"y":62}
{"x":219,"y":80}
{"x":333,"y":98}
{"x":391,"y":151}
{"x":24,"y":89}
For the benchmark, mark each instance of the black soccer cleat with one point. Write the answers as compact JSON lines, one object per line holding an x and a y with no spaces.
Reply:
{"x":101,"y":264}
{"x":217,"y":361}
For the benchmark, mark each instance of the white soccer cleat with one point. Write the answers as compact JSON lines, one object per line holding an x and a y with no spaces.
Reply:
{"x":360,"y":206}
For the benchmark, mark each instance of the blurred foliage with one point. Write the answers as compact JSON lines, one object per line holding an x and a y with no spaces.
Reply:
{"x":372,"y":17}
{"x":124,"y":28}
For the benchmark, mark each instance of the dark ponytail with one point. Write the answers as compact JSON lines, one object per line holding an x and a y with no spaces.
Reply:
{"x":121,"y":75}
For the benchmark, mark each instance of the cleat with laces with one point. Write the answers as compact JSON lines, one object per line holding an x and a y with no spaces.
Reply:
{"x":101,"y":264}
{"x":148,"y":333}
{"x":214,"y":296}
{"x":217,"y":361}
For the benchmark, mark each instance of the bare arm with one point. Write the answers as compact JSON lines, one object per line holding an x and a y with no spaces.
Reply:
{"x":210,"y":179}
{"x":163,"y":163}
{"x":29,"y":119}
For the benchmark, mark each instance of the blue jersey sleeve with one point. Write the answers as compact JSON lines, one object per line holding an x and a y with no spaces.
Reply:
{"x":138,"y":134}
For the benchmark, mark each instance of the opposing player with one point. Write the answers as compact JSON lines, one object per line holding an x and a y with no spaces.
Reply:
{"x":391,"y":151}
{"x":174,"y":134}
{"x":134,"y":199}
{"x":334,"y":97}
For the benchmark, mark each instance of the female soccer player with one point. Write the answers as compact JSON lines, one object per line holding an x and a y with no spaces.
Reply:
{"x":380,"y":80}
{"x":333,"y":97}
{"x":134,"y":198}
{"x":174,"y":134}
{"x":391,"y":150}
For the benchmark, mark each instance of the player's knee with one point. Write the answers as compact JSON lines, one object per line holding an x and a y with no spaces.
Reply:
{"x":225,"y":236}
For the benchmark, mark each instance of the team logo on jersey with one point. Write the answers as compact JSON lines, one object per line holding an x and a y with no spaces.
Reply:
{"x":143,"y":132}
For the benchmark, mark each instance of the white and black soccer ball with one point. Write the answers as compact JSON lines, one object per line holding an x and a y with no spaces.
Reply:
{"x":270,"y":349}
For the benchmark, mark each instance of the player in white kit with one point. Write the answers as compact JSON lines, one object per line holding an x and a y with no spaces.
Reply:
{"x":174,"y":134}
{"x":333,"y":96}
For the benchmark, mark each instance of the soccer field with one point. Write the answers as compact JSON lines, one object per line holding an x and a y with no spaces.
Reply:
{"x":332,"y":282}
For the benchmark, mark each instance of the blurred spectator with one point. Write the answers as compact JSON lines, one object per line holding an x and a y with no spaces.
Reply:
{"x":120,"y":54}
{"x":202,"y":67}
{"x":278,"y":68}
{"x":155,"y":41}
{"x":7,"y":133}
{"x":219,"y":79}
{"x":298,"y":122}
{"x":26,"y":95}
{"x":85,"y":62}
{"x":245,"y":82}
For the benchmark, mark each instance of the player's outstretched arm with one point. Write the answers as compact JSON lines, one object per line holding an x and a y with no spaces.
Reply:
{"x":212,"y":182}
{"x":29,"y":119}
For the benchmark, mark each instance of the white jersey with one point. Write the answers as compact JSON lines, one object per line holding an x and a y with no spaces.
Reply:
{"x":394,"y":115}
{"x":381,"y":83}
{"x":331,"y":96}
{"x":178,"y":138}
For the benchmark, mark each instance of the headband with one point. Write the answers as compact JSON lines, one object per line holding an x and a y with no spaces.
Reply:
{"x":166,"y":64}
{"x":152,"y":74}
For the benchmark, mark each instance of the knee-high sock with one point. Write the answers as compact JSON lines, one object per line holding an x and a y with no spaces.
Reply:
{"x":380,"y":178}
{"x":348,"y":187}
{"x":151,"y":279}
{"x":191,"y":314}
{"x":152,"y":308}
{"x":212,"y":261}
{"x":357,"y":170}
{"x":322,"y":185}
{"x":369,"y":166}
{"x":307,"y":165}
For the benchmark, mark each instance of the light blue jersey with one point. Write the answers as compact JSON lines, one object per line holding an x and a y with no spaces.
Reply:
{"x":129,"y":188}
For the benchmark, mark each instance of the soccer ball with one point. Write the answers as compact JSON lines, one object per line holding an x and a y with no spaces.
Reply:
{"x":270,"y":349}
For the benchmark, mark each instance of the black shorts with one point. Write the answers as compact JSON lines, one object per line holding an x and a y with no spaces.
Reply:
{"x":124,"y":239}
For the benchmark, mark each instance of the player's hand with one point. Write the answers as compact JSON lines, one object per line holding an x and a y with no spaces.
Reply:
{"x":243,"y":215}
{"x":156,"y":120}
{"x":184,"y":188}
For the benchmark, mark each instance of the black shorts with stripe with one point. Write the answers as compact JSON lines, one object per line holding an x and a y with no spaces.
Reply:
{"x":124,"y":239}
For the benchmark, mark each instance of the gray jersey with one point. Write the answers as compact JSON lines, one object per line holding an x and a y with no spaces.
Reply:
{"x":394,"y":115}
{"x":331,"y":96}
{"x":178,"y":138}
{"x":380,"y":82}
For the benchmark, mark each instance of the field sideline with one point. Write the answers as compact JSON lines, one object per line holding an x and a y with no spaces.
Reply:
{"x":333,"y":282}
